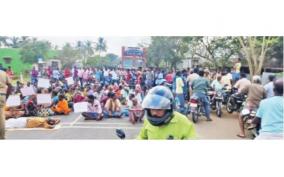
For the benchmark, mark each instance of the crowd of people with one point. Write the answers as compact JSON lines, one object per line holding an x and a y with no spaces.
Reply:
{"x":159,"y":96}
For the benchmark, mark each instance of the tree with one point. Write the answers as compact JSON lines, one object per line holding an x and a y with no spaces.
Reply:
{"x":216,"y":50}
{"x":275,"y":54}
{"x":3,"y":41}
{"x":110,"y":60}
{"x":170,"y":50}
{"x":89,"y":48}
{"x":68,"y":55}
{"x":33,"y":50}
{"x":14,"y":42}
{"x":101,"y":45}
{"x":255,"y":50}
{"x":86,"y":49}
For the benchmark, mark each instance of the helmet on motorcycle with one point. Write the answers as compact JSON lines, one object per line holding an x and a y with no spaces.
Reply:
{"x":159,"y":97}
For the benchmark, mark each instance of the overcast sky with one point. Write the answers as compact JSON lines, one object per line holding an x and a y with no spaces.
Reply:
{"x":114,"y":44}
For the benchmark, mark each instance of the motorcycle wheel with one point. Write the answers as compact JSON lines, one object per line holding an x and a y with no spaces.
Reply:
{"x":229,"y":106}
{"x":219,"y":110}
{"x":194,"y":117}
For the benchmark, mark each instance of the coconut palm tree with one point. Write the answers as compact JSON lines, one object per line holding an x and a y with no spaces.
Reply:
{"x":101,"y":45}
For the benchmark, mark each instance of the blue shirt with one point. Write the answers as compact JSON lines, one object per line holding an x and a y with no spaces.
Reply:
{"x":271,"y":113}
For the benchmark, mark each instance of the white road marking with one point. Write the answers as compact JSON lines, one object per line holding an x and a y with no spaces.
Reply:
{"x":97,"y":123}
{"x":76,"y":120}
{"x":25,"y":129}
{"x":94,"y":127}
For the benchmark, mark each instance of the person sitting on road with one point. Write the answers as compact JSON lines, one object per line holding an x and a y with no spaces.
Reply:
{"x":242,"y":83}
{"x":269,"y":86}
{"x":200,"y":87}
{"x":270,"y":114}
{"x":32,"y":122}
{"x":62,"y":106}
{"x":14,"y":112}
{"x":31,"y":106}
{"x":161,"y":121}
{"x":78,"y":97}
{"x":256,"y":93}
{"x":94,"y":109}
{"x":112,"y":106}
{"x":135,"y":111}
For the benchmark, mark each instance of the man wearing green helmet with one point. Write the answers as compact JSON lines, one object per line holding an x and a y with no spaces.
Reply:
{"x":161,"y":121}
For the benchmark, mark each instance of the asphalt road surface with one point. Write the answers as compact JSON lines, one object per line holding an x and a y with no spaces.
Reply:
{"x":74,"y":126}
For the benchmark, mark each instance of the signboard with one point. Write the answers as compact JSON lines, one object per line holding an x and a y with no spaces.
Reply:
{"x":43,"y":98}
{"x":81,"y":107}
{"x":27,"y":91}
{"x":133,"y":52}
{"x":13,"y":100}
{"x":45,"y":83}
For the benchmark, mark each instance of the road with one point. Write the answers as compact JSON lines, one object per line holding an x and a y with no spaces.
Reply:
{"x":74,"y":127}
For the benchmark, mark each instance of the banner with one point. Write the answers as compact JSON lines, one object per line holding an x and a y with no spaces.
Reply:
{"x":27,"y":91}
{"x":13,"y":100}
{"x":43,"y":98}
{"x":45,"y":83}
{"x":80,"y":107}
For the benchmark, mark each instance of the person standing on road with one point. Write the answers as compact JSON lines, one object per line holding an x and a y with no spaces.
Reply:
{"x":160,"y":119}
{"x":270,"y":114}
{"x":269,"y":87}
{"x":179,"y":91}
{"x":4,"y":84}
{"x":237,"y":68}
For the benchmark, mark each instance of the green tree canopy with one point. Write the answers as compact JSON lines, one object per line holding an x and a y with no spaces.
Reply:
{"x":32,"y":50}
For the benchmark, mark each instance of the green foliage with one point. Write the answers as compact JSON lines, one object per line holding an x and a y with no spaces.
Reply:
{"x":167,"y":50}
{"x":17,"y":64}
{"x":32,"y":50}
{"x":68,"y":55}
{"x":275,"y":54}
{"x":101,"y":45}
{"x":110,"y":60}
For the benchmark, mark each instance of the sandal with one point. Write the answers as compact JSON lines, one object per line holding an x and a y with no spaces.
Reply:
{"x":241,"y":136}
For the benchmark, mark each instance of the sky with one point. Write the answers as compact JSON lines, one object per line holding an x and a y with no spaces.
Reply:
{"x":114,"y":44}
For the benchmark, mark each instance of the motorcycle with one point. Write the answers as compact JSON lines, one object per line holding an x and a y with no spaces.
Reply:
{"x":248,"y":115}
{"x":226,"y":95}
{"x":218,"y":98}
{"x":235,"y":102}
{"x":196,"y":108}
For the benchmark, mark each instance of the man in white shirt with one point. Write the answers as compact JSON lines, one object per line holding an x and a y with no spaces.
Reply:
{"x":269,"y":86}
